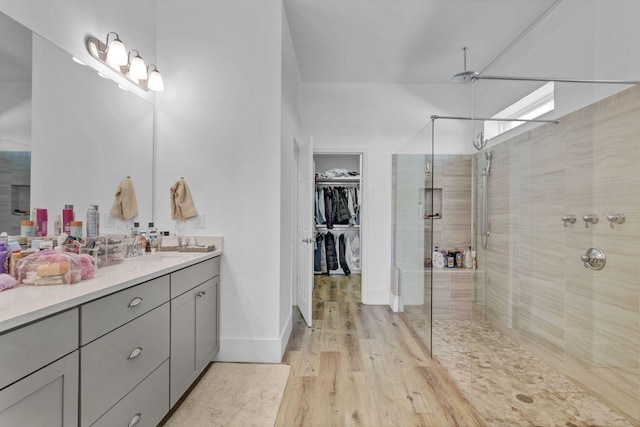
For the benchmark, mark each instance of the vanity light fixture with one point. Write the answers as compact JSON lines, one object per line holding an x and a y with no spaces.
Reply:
{"x":130,"y":65}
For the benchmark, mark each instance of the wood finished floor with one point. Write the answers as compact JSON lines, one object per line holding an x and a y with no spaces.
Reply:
{"x":360,"y":365}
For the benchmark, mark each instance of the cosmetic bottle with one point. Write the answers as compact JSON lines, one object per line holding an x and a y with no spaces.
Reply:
{"x":42,"y":224}
{"x":67,"y":217}
{"x":57,"y":226}
{"x":93,"y":221}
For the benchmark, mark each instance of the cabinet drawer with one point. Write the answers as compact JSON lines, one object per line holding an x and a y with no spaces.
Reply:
{"x":190,"y":277}
{"x":24,"y":350}
{"x":147,"y":403}
{"x":103,"y":315}
{"x":114,"y":364}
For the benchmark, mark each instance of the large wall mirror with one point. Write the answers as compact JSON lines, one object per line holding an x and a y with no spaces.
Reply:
{"x":67,"y":136}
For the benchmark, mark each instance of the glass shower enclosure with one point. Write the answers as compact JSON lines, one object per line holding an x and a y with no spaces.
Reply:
{"x":546,"y":329}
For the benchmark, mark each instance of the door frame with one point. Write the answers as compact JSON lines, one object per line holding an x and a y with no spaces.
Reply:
{"x":364,"y":213}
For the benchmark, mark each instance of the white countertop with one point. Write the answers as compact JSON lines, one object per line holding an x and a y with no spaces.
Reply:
{"x":25,"y":304}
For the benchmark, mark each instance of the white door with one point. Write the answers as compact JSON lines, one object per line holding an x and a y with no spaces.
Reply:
{"x":305,"y":233}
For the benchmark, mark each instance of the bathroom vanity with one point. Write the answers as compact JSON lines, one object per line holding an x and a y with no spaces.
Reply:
{"x":118,"y":349}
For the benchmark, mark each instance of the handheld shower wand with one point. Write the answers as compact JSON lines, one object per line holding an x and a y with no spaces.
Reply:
{"x":484,"y":232}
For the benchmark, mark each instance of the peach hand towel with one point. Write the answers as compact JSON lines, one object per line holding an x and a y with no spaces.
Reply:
{"x":181,"y":202}
{"x":125,"y":205}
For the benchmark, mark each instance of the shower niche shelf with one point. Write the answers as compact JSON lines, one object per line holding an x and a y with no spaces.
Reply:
{"x":432,"y":202}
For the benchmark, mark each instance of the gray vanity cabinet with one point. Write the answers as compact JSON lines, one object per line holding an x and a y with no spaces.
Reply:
{"x":195,"y":337}
{"x":122,"y":359}
{"x":114,"y":365}
{"x":39,"y":373}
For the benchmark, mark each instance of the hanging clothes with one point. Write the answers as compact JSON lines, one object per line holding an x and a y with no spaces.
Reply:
{"x":342,"y":250}
{"x":320,"y":218}
{"x":352,"y":249}
{"x":332,"y":256}
{"x":328,"y":207}
{"x":342,"y":210}
{"x":317,"y":254}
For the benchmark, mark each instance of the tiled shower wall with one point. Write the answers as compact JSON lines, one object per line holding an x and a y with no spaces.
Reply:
{"x":586,"y":323}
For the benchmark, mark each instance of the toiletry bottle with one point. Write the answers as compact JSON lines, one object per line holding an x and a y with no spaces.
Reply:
{"x":438,"y":258}
{"x":459,"y":262}
{"x":57,"y":226}
{"x":42,"y":224}
{"x":67,"y":217}
{"x":4,"y":258}
{"x":468,"y":261}
{"x":473,"y":260}
{"x":135,"y":230}
{"x":93,"y":221}
{"x":75,"y":229}
{"x":451,"y":259}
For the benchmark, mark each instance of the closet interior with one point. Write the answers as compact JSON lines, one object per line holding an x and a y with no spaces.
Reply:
{"x":338,"y":202}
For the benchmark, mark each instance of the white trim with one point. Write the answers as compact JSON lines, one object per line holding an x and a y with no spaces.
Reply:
{"x":285,"y":335}
{"x":254,"y":350}
{"x":367,"y":297}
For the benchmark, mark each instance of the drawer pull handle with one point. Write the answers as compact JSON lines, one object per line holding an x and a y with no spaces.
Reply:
{"x":201,"y":293}
{"x":135,"y":353}
{"x":136,"y":301}
{"x":136,"y":419}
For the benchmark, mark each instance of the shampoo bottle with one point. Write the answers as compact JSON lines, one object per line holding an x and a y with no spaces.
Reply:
{"x":468,"y":260}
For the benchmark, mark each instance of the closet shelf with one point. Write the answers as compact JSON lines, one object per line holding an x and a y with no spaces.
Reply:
{"x":338,"y":180}
{"x":340,"y":227}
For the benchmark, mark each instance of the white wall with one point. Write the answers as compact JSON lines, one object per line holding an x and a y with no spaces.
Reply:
{"x":218,"y":126}
{"x":67,"y":23}
{"x":379,"y":119}
{"x":291,"y":110}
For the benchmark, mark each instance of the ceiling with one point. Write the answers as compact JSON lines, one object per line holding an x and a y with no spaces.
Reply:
{"x":403,"y":41}
{"x":420,"y":41}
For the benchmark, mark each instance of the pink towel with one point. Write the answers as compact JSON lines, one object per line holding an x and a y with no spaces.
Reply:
{"x":181,"y":202}
{"x":125,"y":205}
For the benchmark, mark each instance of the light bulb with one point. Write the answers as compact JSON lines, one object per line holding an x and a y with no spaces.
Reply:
{"x":155,"y":81}
{"x":137,"y":68}
{"x":117,"y":53}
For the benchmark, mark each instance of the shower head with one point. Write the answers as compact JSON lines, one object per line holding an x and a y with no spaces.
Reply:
{"x":465,"y":76}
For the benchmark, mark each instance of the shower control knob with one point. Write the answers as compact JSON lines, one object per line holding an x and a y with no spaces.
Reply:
{"x":594,"y":259}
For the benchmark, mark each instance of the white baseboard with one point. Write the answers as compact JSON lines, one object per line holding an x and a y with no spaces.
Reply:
{"x":255,"y":350}
{"x":376,"y":297}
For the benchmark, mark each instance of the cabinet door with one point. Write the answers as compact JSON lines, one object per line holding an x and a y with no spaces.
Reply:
{"x":48,"y":397}
{"x":194,"y":334}
{"x":183,"y":342}
{"x":206,"y":321}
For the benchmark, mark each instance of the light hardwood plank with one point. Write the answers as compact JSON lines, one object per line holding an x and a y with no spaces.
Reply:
{"x":360,"y":365}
